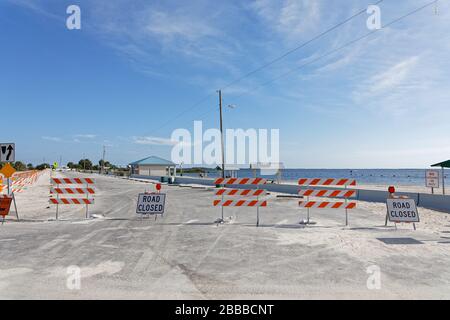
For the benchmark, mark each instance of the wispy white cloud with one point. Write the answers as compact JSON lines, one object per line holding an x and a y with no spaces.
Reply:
{"x":38,"y":8}
{"x":86,"y":136}
{"x":170,"y":26}
{"x":154,"y":37}
{"x":54,"y":139}
{"x":293,"y":19}
{"x":154,"y":141}
{"x":393,"y":77}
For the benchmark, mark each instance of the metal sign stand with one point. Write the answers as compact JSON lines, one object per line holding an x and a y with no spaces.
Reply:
{"x":307,"y":212}
{"x":387,"y":217}
{"x":15,"y":206}
{"x":395,"y":225}
{"x":307,"y":222}
{"x":10,"y":193}
{"x":57,"y":205}
{"x":221,"y":220}
{"x":87,"y":198}
{"x":346,"y":210}
{"x":223,"y":187}
{"x":141,"y":216}
{"x":257,"y":208}
{"x":159,"y":191}
{"x":390,"y":196}
{"x":156,"y":216}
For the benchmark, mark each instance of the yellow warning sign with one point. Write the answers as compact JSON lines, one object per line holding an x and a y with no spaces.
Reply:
{"x":7,"y":171}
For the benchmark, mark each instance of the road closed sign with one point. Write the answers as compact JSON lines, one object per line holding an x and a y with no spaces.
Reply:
{"x":151,"y":203}
{"x":402,"y":210}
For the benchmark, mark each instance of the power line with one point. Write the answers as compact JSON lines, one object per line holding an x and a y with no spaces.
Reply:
{"x":305,"y":64}
{"x":196,"y":105}
{"x":298,"y":47}
{"x":336,"y":50}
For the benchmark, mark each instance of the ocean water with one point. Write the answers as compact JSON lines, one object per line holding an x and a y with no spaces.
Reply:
{"x":405,"y":177}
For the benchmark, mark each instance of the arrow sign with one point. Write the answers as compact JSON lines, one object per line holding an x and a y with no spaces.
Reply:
{"x":7,"y":152}
{"x":10,"y":150}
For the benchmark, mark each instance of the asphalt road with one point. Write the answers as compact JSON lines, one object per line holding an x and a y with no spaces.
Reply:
{"x":185,"y":255}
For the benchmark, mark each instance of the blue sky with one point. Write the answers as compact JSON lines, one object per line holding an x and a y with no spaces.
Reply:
{"x":383,"y":102}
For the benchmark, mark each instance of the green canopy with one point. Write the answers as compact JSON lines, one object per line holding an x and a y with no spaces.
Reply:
{"x":445,"y":164}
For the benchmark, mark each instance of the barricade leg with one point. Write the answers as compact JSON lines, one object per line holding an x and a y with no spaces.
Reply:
{"x":257,"y":216}
{"x":57,"y":204}
{"x":346,"y":210}
{"x":222,"y":208}
{"x":15,"y":207}
{"x":307,"y":212}
{"x":87,"y":206}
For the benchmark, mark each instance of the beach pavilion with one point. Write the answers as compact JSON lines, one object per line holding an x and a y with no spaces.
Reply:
{"x":444,"y":164}
{"x":154,"y":166}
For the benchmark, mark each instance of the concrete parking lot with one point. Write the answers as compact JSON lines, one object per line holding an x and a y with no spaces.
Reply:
{"x":185,"y":255}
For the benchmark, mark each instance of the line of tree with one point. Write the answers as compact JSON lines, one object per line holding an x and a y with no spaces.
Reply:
{"x":83,"y":164}
{"x":86,"y":164}
{"x":20,"y":166}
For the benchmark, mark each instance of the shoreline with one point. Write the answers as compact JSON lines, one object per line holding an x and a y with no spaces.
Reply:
{"x":365,"y":186}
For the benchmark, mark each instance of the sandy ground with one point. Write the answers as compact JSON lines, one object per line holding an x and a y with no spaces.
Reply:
{"x":185,"y":255}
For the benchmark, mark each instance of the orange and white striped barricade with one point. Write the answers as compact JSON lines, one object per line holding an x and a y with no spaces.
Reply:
{"x":66,"y":192}
{"x":248,"y":195}
{"x":240,"y":181}
{"x":19,"y":181}
{"x":14,"y":189}
{"x":18,"y":184}
{"x":342,"y":194}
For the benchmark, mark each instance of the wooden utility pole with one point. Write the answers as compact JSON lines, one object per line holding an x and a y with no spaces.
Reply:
{"x":221,"y":134}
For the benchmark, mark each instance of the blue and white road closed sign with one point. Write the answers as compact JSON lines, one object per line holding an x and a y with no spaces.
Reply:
{"x":151,"y":203}
{"x":402,"y":210}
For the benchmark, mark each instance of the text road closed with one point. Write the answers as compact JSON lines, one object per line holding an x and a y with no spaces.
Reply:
{"x":402,"y":210}
{"x":151,"y":203}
